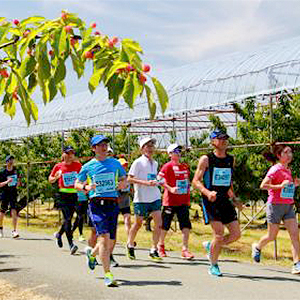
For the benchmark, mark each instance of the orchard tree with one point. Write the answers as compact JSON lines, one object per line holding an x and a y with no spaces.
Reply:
{"x":34,"y":52}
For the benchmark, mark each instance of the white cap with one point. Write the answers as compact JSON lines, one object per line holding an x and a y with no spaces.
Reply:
{"x":146,"y":140}
{"x":172,"y":147}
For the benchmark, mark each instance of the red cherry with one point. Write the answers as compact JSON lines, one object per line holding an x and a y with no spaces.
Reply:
{"x":16,"y":22}
{"x":111,"y":44}
{"x":73,"y":41}
{"x":15,"y":95}
{"x":93,"y":25}
{"x":115,"y":40}
{"x":29,"y":51}
{"x":143,"y":78}
{"x":64,"y":15}
{"x":129,"y":68}
{"x":4,"y":73}
{"x":146,"y":68}
{"x":89,"y":55}
{"x":68,"y":29}
{"x":97,"y":33}
{"x":51,"y":53}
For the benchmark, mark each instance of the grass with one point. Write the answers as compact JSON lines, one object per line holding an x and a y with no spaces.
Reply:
{"x":46,"y":220}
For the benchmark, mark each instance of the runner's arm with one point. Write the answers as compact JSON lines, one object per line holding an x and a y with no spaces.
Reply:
{"x":133,"y":179}
{"x":2,"y":184}
{"x":197,"y":181}
{"x":267,"y":184}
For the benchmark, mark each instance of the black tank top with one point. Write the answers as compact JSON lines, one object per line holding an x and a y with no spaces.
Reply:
{"x":218,"y":175}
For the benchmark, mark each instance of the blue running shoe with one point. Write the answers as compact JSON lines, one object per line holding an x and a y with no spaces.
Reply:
{"x":90,"y":259}
{"x":59,"y":242}
{"x":296,"y":268}
{"x":206,"y":246}
{"x":109,"y":280}
{"x":73,"y":249}
{"x":255,"y":253}
{"x":214,"y":270}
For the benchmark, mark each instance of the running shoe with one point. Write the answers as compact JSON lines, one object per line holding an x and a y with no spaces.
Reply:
{"x":255,"y":253}
{"x":214,"y":270}
{"x":109,"y":280}
{"x":207,"y":246}
{"x":113,"y":263}
{"x":1,"y":233}
{"x":73,"y":249}
{"x":296,"y":268}
{"x":90,"y":259}
{"x":130,"y":252}
{"x":81,"y":238}
{"x":14,"y":234}
{"x":161,"y":251}
{"x":153,"y":254}
{"x":59,"y":242}
{"x":186,"y":254}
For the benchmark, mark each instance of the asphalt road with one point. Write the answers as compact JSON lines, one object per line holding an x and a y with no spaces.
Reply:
{"x":34,"y":261}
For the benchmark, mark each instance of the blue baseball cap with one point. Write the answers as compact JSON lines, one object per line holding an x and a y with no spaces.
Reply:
{"x":97,"y":139}
{"x":68,"y":149}
{"x":219,"y":134}
{"x":9,"y":157}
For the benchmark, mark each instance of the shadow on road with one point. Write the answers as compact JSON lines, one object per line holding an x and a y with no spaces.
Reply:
{"x":34,"y":239}
{"x":260,"y":278}
{"x":138,"y":266}
{"x":146,"y":282}
{"x":10,"y":270}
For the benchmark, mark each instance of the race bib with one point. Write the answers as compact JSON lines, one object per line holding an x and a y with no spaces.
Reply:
{"x":69,"y":178}
{"x":14,"y":181}
{"x":105,"y":183}
{"x":82,"y":196}
{"x":182,"y":186}
{"x":221,"y":177}
{"x":151,"y":176}
{"x":288,"y":191}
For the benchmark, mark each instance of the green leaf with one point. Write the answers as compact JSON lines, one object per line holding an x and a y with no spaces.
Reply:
{"x":62,"y":42}
{"x":132,"y":45}
{"x":12,"y":83}
{"x":128,"y":91}
{"x":161,"y":93}
{"x":77,"y":65}
{"x":62,"y":89}
{"x":95,"y":79}
{"x":32,"y":82}
{"x":138,"y":87}
{"x":3,"y":32}
{"x":26,"y":111}
{"x":33,"y":19}
{"x":44,"y":65}
{"x":151,"y":103}
{"x":34,"y":110}
{"x":27,"y":66}
{"x":52,"y":88}
{"x":115,"y":87}
{"x":60,"y":71}
{"x":45,"y":93}
{"x":10,"y":108}
{"x":117,"y":65}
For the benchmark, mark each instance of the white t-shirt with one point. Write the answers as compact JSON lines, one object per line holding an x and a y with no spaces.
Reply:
{"x":145,"y":169}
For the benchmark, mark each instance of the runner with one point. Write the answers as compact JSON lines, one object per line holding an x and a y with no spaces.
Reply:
{"x":9,"y":194}
{"x":81,"y":210}
{"x":213,"y":178}
{"x":281,"y":188}
{"x":107,"y":177}
{"x":176,"y":199}
{"x":65,"y":172}
{"x":147,"y":197}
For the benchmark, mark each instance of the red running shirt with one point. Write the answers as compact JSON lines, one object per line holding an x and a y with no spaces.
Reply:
{"x":69,"y":173}
{"x":176,"y":175}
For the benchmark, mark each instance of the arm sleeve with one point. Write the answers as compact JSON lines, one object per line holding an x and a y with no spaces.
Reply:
{"x":163,"y":172}
{"x":272,"y":172}
{"x":54,"y":170}
{"x":82,"y":175}
{"x":134,"y":169}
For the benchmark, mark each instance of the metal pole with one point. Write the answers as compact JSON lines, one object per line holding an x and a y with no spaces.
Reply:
{"x":128,"y":140}
{"x":186,"y":124}
{"x":62,"y":141}
{"x":271,"y":120}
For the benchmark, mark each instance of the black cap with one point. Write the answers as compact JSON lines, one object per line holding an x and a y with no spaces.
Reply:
{"x":9,"y":157}
{"x":68,"y":149}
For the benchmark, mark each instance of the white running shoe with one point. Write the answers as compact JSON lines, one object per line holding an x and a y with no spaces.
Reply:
{"x":14,"y":234}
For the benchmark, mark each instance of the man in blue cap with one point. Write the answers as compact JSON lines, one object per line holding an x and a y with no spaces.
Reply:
{"x":106,"y":176}
{"x":9,"y":194}
{"x":213,"y":178}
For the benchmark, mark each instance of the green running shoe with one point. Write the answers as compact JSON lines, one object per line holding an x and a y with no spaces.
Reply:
{"x":90,"y":259}
{"x":109,"y":280}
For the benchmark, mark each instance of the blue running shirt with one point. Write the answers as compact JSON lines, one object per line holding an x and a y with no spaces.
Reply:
{"x":105,"y":174}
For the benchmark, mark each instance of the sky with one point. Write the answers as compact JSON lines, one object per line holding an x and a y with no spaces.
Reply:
{"x":175,"y":32}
